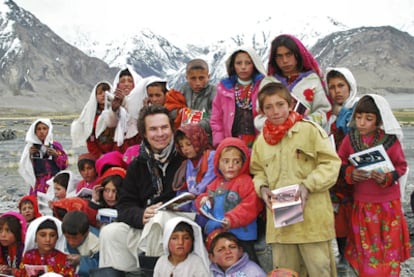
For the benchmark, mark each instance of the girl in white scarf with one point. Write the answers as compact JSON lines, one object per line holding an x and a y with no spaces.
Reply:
{"x":42,"y":157}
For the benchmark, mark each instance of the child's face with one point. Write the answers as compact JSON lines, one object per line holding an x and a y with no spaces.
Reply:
{"x":156,"y":95}
{"x":180,"y":244}
{"x":226,"y":253}
{"x":366,"y":123}
{"x":126,"y":83}
{"x":7,"y":238}
{"x":230,"y":163}
{"x":276,"y":109}
{"x":187,"y":148}
{"x":46,"y":240}
{"x":60,"y":191}
{"x":100,"y":95}
{"x":244,"y":66}
{"x":88,"y":173}
{"x":109,"y":194}
{"x":338,"y":90}
{"x":27,"y":210}
{"x":286,"y":61}
{"x":75,"y":240}
{"x":197,"y":79}
{"x":41,"y":131}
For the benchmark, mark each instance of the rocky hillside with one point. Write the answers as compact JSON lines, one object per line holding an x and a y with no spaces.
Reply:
{"x":39,"y":70}
{"x":381,"y":58}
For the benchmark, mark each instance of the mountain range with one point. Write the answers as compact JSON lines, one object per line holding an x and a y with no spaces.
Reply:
{"x":41,"y":72}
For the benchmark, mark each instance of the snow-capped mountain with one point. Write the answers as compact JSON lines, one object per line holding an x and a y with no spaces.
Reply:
{"x":38,"y":65}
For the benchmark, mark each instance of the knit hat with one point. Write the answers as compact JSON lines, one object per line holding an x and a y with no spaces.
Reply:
{"x":86,"y":156}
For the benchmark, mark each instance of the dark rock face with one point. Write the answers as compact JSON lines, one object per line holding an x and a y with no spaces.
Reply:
{"x":7,"y":134}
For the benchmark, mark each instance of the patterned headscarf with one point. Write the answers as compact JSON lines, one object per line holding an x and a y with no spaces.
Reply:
{"x":197,"y":135}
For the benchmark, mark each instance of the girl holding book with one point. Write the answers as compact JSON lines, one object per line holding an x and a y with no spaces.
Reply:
{"x":291,"y":150}
{"x":379,"y":237}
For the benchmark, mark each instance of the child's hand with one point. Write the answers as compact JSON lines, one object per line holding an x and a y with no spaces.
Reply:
{"x":359,"y":175}
{"x":204,"y":200}
{"x":50,"y":204}
{"x":95,"y":193}
{"x":73,"y":259}
{"x":266,"y":195}
{"x":378,"y":177}
{"x":226,"y":223}
{"x":303,"y":194}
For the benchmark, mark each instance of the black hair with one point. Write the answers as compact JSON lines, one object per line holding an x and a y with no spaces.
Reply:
{"x":104,"y":86}
{"x":83,"y":162}
{"x":367,"y":105}
{"x":289,"y":43}
{"x":14,"y":225}
{"x":62,"y":179}
{"x":75,"y":222}
{"x":47,"y":224}
{"x":116,"y":180}
{"x":152,"y":110}
{"x":162,"y":85}
{"x":185,"y":227}
{"x":226,"y":235}
{"x":125,"y":72}
{"x":336,"y":74}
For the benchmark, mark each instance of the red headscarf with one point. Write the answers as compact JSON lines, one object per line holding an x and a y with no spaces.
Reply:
{"x":33,"y":199}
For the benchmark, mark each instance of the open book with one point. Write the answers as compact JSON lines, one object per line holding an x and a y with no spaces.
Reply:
{"x":35,"y":270}
{"x":286,"y":210}
{"x":177,"y":202}
{"x":298,"y":106}
{"x":84,"y":193}
{"x":374,"y":158}
{"x":206,"y":211}
{"x":192,"y":116}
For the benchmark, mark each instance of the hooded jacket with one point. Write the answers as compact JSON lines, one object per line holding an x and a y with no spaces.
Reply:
{"x":237,"y":201}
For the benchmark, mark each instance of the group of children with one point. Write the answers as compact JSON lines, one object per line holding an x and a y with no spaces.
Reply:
{"x":238,"y":141}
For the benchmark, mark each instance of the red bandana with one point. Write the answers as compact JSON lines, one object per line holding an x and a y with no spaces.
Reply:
{"x":274,"y":133}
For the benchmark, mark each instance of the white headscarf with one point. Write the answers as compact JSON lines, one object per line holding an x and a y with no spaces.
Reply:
{"x":30,"y":242}
{"x":25,"y":165}
{"x":132,"y":103}
{"x":253,"y":55}
{"x":199,"y":249}
{"x":70,"y":190}
{"x":390,"y":124}
{"x":82,"y":127}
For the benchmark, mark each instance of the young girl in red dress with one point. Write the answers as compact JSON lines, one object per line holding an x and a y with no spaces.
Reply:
{"x":379,"y":239}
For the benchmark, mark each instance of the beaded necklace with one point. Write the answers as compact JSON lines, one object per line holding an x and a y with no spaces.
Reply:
{"x":243,"y":92}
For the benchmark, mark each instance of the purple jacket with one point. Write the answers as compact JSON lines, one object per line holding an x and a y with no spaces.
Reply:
{"x":243,"y":267}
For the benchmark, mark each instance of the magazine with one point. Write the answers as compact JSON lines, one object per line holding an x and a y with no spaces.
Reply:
{"x":191,"y":116}
{"x":374,"y":158}
{"x":177,"y":202}
{"x":298,"y":106}
{"x":206,"y":211}
{"x":84,"y":193}
{"x":35,"y":270}
{"x":286,"y":210}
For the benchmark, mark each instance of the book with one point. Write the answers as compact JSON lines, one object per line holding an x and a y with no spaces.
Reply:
{"x":286,"y":210}
{"x":206,"y":211}
{"x":177,"y":202}
{"x":298,"y":106}
{"x":35,"y":270}
{"x":191,"y":116}
{"x":84,"y":193}
{"x":373,"y":158}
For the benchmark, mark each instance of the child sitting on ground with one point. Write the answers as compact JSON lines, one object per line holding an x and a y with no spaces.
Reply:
{"x":231,"y":195}
{"x":185,"y":254}
{"x":12,"y":236}
{"x":82,"y":245}
{"x":44,"y":245}
{"x":235,"y":264}
{"x":29,"y":208}
{"x":86,"y":167}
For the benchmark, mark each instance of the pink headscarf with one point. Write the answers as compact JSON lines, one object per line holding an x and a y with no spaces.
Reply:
{"x":22,"y":221}
{"x":309,"y":62}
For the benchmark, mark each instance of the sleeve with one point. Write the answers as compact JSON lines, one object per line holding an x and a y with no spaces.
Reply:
{"x":207,"y":178}
{"x":205,"y":122}
{"x":110,"y":118}
{"x":216,"y":119}
{"x":256,"y":166}
{"x":62,"y":158}
{"x":87,"y":263}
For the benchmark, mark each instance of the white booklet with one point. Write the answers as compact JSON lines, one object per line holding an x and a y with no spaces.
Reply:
{"x":35,"y":270}
{"x":177,"y":202}
{"x":374,"y":158}
{"x":84,"y":193}
{"x":286,"y":210}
